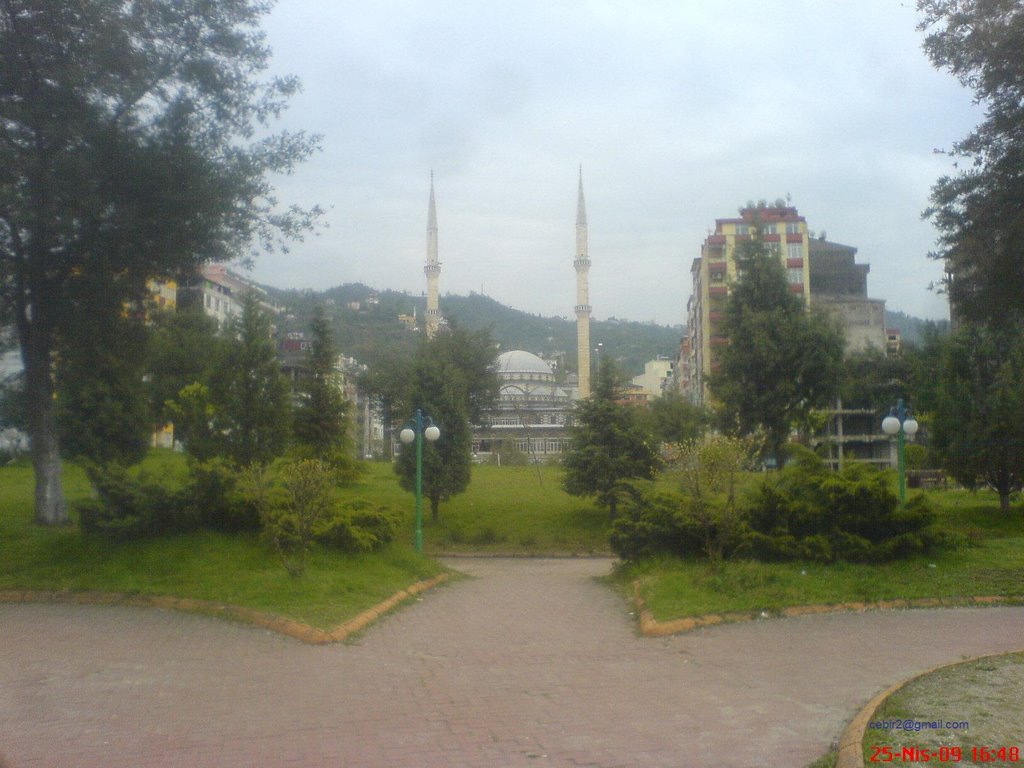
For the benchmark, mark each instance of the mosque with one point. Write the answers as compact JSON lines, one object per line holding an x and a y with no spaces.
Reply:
{"x":533,"y":411}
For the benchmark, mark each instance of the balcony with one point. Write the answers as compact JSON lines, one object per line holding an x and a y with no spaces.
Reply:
{"x":719,"y":341}
{"x":794,"y":238}
{"x":718,"y":290}
{"x":796,"y":288}
{"x":717,"y":266}
{"x":716,"y":239}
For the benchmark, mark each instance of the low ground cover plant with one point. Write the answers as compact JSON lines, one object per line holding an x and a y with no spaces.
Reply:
{"x":804,"y":512}
{"x":293,"y":502}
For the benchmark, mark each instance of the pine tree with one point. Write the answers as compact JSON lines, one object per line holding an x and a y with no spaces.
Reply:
{"x":608,"y":446}
{"x":321,"y":415}
{"x":248,"y":393}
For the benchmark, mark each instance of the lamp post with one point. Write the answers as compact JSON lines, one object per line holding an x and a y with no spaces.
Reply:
{"x":898,"y":423}
{"x":415,"y":431}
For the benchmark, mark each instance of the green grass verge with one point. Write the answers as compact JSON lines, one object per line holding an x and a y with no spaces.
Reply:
{"x":239,"y":569}
{"x":989,"y":561}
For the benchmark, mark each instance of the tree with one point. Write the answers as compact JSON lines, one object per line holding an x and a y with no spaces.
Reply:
{"x":873,"y":379}
{"x":977,"y":211}
{"x":248,"y":393}
{"x":127,"y":152}
{"x":102,"y":405}
{"x":321,"y":415}
{"x":672,"y":418}
{"x":781,"y":361}
{"x":183,"y":346}
{"x":978,"y":427}
{"x":438,"y":389}
{"x":386,"y":383}
{"x":608,"y":447}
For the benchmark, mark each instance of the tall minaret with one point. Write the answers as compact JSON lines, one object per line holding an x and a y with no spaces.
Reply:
{"x":582,"y":264}
{"x":432,"y":269}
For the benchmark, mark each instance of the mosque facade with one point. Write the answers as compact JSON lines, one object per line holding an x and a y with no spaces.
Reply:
{"x":531,"y":417}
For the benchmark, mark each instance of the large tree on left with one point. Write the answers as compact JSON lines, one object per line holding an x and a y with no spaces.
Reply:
{"x":128,"y":150}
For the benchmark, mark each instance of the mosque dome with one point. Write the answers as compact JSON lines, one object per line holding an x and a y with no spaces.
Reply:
{"x":519,"y":362}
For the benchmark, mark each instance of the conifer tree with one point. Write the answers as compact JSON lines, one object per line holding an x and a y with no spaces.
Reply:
{"x":608,"y":446}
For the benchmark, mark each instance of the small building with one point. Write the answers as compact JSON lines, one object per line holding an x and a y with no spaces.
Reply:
{"x":656,"y":378}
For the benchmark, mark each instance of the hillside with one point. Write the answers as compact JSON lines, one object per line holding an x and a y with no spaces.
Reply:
{"x":370,"y":330}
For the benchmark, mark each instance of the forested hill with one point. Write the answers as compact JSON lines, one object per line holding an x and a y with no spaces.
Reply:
{"x":369,"y":329}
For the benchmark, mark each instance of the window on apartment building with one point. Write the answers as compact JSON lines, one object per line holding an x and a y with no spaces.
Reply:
{"x":767,"y":228}
{"x":794,"y":250}
{"x":792,"y":227}
{"x":795,"y":275}
{"x":718,"y":276}
{"x":742,"y":229}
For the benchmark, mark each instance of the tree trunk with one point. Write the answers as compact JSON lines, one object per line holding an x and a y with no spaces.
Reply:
{"x":50,"y":508}
{"x":435,"y":504}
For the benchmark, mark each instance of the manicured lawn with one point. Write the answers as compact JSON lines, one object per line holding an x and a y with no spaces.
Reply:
{"x":512,"y":510}
{"x":237,"y":569}
{"x":988,"y":561}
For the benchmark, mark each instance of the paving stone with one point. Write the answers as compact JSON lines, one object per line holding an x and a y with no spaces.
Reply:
{"x":529,"y":663}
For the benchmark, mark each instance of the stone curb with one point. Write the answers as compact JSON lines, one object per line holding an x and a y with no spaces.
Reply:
{"x":295,"y":629}
{"x":851,"y":744}
{"x":651,"y":627}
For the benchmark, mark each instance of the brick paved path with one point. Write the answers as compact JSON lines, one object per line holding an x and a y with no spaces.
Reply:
{"x":531,"y":663}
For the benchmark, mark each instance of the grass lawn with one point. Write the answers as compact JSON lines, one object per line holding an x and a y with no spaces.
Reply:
{"x":509,"y":510}
{"x":236,"y":569}
{"x":989,"y":562}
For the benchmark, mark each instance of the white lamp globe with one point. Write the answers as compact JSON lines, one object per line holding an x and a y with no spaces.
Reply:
{"x":910,"y":426}
{"x":407,"y":435}
{"x":432,"y":433}
{"x":891,"y":425}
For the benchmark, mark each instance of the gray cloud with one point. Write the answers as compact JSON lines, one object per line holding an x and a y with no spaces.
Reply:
{"x":680,"y":112}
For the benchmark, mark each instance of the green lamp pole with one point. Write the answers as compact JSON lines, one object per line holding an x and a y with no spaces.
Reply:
{"x":415,"y":431}
{"x":899,"y":423}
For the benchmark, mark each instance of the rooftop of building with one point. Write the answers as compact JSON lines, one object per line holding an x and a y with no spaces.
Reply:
{"x":519,"y":361}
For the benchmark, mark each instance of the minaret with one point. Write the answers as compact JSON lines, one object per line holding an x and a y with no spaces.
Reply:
{"x":432,"y":269}
{"x":582,"y":265}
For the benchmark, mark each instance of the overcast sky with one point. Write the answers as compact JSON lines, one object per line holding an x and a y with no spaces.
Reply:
{"x":679,"y":112}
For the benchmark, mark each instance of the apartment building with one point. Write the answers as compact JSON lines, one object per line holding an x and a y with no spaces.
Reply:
{"x":779,"y":225}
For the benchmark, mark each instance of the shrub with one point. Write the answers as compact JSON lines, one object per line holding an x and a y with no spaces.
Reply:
{"x":655,"y":522}
{"x":359,"y":526}
{"x":296,"y":506}
{"x":807,"y":512}
{"x":127,"y":506}
{"x":213,"y":494}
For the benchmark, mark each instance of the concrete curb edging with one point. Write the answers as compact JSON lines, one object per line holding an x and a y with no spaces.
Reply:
{"x":851,"y":749}
{"x":295,"y":629}
{"x":651,"y":627}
